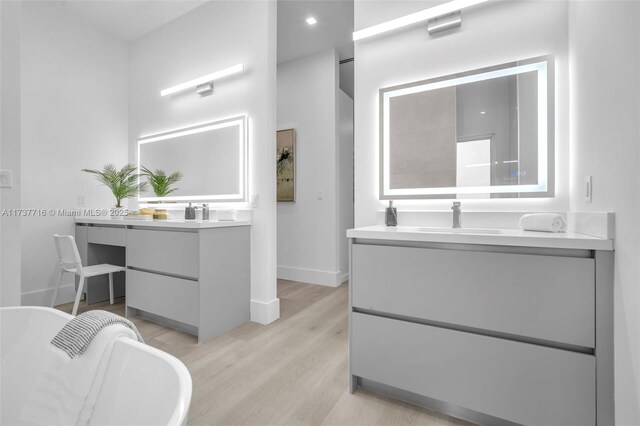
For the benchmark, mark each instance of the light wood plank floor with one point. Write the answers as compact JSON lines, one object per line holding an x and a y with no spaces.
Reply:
{"x":291,"y":372}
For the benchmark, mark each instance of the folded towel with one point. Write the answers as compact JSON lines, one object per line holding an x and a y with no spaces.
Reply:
{"x":546,"y":222}
{"x":76,"y":335}
{"x":227,"y":214}
{"x":68,"y":389}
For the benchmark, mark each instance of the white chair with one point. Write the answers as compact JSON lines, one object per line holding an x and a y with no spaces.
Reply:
{"x":69,"y":261}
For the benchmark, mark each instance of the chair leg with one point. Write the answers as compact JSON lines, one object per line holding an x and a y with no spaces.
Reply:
{"x":111,"y":287}
{"x":78,"y":295}
{"x":55,"y":291}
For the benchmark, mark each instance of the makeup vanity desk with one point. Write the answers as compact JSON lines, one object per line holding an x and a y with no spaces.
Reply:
{"x":190,"y":275}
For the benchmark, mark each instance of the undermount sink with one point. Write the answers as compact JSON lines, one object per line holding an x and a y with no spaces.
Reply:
{"x":460,"y":230}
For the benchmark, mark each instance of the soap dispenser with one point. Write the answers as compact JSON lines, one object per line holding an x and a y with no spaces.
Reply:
{"x":205,"y":211}
{"x":391,"y":216}
{"x":190,"y":212}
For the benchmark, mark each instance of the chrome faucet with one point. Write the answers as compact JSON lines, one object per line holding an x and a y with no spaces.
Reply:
{"x":456,"y":214}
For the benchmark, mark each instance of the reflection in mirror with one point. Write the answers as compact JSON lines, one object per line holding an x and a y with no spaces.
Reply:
{"x":482,"y":134}
{"x":211,"y":158}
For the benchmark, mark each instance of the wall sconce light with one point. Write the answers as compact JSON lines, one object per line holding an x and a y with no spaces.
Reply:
{"x":204,"y":84}
{"x":424,"y":15}
{"x":204,"y":89}
{"x":444,"y":23}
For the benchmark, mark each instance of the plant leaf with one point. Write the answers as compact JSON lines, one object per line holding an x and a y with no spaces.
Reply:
{"x":123,"y":183}
{"x":159,"y":181}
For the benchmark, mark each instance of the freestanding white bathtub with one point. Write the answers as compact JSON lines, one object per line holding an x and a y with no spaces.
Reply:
{"x":142,"y":385}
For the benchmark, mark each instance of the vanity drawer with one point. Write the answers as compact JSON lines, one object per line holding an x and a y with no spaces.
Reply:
{"x":543,"y":297}
{"x":519,"y":382}
{"x":107,"y":235}
{"x":173,"y":298}
{"x":170,"y":252}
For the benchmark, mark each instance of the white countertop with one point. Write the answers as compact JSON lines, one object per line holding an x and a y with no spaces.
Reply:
{"x":169,"y":223}
{"x":506,"y":237}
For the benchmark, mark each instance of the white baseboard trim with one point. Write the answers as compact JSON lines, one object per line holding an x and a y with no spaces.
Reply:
{"x":345,"y":277}
{"x":311,"y":276}
{"x":265,"y":312}
{"x":66,"y":294}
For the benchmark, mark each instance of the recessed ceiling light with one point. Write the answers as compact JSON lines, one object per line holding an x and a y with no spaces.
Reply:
{"x":311,"y":20}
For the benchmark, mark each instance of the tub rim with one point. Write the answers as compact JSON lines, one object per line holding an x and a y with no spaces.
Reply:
{"x":181,"y":411}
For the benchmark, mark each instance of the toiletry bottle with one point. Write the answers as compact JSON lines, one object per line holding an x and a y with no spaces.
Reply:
{"x":391,"y":216}
{"x":190,"y":212}
{"x":205,"y":212}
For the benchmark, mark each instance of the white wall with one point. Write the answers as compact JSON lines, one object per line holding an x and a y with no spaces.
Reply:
{"x":308,"y":230}
{"x":74,"y":116}
{"x":345,"y":178}
{"x":492,"y":33}
{"x":605,"y":144}
{"x":209,"y":38}
{"x":10,"y":251}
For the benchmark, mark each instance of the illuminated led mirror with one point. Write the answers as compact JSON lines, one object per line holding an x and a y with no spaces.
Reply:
{"x":487,"y":133}
{"x":211,"y":157}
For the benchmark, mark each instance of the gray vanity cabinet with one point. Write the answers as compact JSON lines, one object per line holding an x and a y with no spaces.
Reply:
{"x":196,"y":278}
{"x":491,"y":334}
{"x":542,"y":297}
{"x":519,"y":382}
{"x":171,"y":252}
{"x":169,"y":297}
{"x":107,"y":235}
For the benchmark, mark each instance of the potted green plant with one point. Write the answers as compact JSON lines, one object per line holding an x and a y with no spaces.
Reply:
{"x":161,"y":182}
{"x":123,"y":183}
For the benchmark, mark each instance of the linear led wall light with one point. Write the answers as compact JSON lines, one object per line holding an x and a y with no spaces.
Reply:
{"x":414,"y":18}
{"x":204,"y":84}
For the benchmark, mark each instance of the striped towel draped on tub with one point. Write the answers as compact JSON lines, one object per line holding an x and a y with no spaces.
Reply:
{"x":77,"y":334}
{"x":75,"y":365}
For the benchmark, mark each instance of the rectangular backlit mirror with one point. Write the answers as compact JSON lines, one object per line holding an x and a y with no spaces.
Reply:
{"x":487,"y":133}
{"x":211,"y":157}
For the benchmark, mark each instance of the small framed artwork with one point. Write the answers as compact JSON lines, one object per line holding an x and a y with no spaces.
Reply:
{"x":286,"y":165}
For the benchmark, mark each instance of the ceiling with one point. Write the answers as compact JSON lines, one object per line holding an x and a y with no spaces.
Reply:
{"x":297,"y":39}
{"x":129,"y":19}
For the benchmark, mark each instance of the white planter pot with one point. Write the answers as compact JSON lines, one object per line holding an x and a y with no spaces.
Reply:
{"x":118,"y":213}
